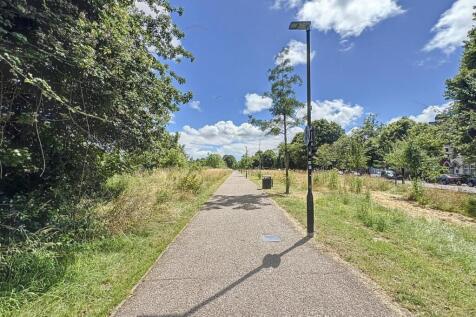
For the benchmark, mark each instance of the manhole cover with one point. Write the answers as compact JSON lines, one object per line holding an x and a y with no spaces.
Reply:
{"x":271,"y":238}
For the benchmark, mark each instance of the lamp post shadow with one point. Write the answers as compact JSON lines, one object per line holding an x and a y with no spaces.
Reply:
{"x":269,"y":261}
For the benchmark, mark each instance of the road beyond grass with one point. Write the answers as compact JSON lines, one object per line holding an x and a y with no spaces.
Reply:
{"x":427,"y":265}
{"x":220,"y":265}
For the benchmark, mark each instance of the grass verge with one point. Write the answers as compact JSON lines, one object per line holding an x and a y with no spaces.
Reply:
{"x":429,"y":267}
{"x":91,"y":278}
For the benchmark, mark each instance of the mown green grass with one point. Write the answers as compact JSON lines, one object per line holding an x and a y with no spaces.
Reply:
{"x":429,"y":267}
{"x":92,"y":278}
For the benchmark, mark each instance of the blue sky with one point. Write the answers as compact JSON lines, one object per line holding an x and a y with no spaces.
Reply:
{"x":388,"y":57}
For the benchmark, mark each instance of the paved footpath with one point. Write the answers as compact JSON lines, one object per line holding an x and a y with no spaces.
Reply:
{"x":220,"y":266}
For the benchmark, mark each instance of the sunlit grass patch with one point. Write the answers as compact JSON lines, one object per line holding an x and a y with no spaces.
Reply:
{"x":428,"y":266}
{"x":146,"y":211}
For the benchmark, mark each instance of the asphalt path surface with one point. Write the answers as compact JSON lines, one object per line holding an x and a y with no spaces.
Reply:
{"x":221,"y":265}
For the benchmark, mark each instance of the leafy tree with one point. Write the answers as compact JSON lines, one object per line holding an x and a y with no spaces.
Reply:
{"x":174,"y":158}
{"x":214,"y":160}
{"x":461,"y":117}
{"x":397,"y":158}
{"x":326,"y":132}
{"x":351,"y":154}
{"x":285,"y":105}
{"x":78,"y":86}
{"x":269,"y":159}
{"x":230,"y":161}
{"x":410,"y":155}
{"x":245,"y":162}
{"x":298,"y":152}
{"x":256,"y":159}
{"x":369,"y":133}
{"x":326,"y":156}
{"x":393,"y":132}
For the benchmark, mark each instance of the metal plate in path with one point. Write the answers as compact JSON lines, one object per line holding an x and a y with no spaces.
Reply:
{"x":271,"y":238}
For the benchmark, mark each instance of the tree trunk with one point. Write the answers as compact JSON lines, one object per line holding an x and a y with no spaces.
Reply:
{"x":403,"y":175}
{"x":286,"y":155}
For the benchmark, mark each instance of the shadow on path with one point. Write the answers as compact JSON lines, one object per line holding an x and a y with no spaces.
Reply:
{"x":269,"y":261}
{"x":246,"y":202}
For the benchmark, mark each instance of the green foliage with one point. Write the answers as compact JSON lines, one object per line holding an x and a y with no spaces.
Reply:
{"x":269,"y":159}
{"x":326,"y":157}
{"x":460,"y":121}
{"x":326,"y":132}
{"x":392,"y":133}
{"x":417,"y":191}
{"x":191,"y":182}
{"x":117,"y":184}
{"x":413,"y":154}
{"x":371,"y":219}
{"x":174,"y":157}
{"x":350,"y":153}
{"x":230,"y":161}
{"x":356,"y":185}
{"x":369,"y":133}
{"x":213,"y":160}
{"x":333,"y":181}
{"x":471,"y":206}
{"x":82,"y":99}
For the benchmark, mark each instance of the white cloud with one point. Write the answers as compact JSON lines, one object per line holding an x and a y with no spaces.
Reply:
{"x":452,"y":27}
{"x":348,"y":17}
{"x":224,"y":137}
{"x":427,"y":115}
{"x":296,"y":53}
{"x":345,"y":45}
{"x":195,"y":104}
{"x":334,"y":110}
{"x":287,"y":4}
{"x":256,"y":103}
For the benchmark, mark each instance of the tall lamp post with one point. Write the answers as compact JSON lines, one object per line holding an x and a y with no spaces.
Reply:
{"x":308,"y":137}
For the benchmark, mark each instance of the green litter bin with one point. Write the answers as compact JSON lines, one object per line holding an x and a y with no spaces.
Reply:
{"x":267,"y":182}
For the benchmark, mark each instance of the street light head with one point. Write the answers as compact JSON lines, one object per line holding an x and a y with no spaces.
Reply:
{"x":300,"y":25}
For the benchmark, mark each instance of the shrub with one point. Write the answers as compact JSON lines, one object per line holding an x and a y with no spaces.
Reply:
{"x":191,"y":182}
{"x":333,"y":180}
{"x":371,"y":219}
{"x":163,"y":196}
{"x":471,"y":206}
{"x":417,"y":192}
{"x":116,"y":184}
{"x":356,"y":185}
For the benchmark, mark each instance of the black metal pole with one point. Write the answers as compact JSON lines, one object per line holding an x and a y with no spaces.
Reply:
{"x":310,"y":198}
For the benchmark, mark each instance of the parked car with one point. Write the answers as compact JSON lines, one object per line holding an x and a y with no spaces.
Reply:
{"x":470,"y":181}
{"x":447,"y":179}
{"x":390,"y":174}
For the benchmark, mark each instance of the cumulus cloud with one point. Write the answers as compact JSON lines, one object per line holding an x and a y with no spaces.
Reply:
{"x":452,"y":27}
{"x":256,"y":103}
{"x":348,"y":17}
{"x":296,"y":53}
{"x":195,"y":104}
{"x":334,"y":110}
{"x":225,"y":137}
{"x":428,"y":114}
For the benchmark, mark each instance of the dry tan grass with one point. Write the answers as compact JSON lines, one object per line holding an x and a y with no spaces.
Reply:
{"x":150,"y":195}
{"x":435,"y":199}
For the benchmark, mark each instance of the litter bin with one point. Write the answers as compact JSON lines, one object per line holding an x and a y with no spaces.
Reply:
{"x":267,"y":182}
